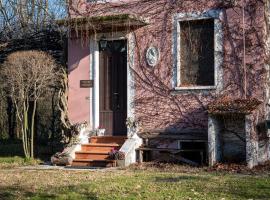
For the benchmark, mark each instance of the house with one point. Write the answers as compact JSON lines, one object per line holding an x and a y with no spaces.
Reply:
{"x":179,"y":67}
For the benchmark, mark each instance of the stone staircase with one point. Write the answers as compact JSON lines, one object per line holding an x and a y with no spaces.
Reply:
{"x":96,"y":152}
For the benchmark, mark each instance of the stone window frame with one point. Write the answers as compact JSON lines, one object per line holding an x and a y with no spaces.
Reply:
{"x":215,"y":14}
{"x":95,"y":1}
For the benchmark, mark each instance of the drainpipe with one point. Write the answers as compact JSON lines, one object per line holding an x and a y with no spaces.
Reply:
{"x":244,"y":49}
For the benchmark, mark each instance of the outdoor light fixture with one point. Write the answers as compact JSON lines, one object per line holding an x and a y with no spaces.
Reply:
{"x":103,"y":43}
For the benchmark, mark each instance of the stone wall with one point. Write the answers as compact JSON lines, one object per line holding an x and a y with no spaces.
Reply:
{"x":233,"y":139}
{"x":225,"y":146}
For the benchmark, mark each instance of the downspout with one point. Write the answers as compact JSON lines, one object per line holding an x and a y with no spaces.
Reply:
{"x":244,"y":50}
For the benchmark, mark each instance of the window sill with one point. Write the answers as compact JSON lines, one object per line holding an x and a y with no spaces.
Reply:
{"x":195,"y":88}
{"x":95,"y":1}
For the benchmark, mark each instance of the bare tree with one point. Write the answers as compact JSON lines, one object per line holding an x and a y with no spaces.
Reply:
{"x":28,"y":16}
{"x":28,"y":76}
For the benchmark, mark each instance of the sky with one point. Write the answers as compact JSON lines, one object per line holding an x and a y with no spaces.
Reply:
{"x":58,"y":7}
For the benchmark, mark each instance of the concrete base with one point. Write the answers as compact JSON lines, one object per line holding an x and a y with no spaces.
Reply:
{"x":84,"y":139}
{"x":129,"y":148}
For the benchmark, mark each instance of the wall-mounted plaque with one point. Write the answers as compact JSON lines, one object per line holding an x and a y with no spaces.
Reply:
{"x":152,"y":56}
{"x":86,"y":83}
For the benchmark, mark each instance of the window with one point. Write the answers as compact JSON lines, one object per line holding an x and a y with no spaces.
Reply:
{"x":197,"y":53}
{"x":198,"y":50}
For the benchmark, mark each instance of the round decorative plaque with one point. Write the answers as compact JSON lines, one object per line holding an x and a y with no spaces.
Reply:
{"x":152,"y":56}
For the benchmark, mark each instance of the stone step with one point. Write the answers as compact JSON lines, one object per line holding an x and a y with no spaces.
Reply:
{"x":108,"y":139}
{"x":93,"y":155}
{"x":104,"y":147}
{"x":93,"y":163}
{"x":96,"y":153}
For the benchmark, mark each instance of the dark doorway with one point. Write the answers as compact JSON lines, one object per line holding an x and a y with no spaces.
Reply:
{"x":113,"y":87}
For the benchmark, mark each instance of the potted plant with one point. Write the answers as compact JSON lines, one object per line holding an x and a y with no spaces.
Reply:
{"x":118,"y":156}
{"x":97,"y":132}
{"x":101,"y":131}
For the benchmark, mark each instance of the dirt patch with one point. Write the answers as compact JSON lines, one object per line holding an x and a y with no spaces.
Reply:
{"x":263,"y":169}
{"x":241,"y":168}
{"x":166,"y":167}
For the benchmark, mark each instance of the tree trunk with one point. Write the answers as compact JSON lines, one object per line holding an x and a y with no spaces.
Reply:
{"x":33,"y":128}
{"x":11,"y":118}
{"x":25,"y":130}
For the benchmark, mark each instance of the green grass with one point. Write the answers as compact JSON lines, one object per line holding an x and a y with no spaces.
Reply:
{"x":11,"y":155}
{"x":133,"y":183}
{"x":16,"y":161}
{"x":165,"y":182}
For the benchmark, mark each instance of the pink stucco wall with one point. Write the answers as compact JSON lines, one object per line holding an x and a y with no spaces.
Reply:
{"x":78,"y":69}
{"x":157,"y":105}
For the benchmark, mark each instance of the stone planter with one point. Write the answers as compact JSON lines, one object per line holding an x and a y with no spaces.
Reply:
{"x":101,"y":132}
{"x":61,"y":161}
{"x":120,"y":163}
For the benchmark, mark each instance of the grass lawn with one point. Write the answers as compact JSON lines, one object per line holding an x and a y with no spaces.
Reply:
{"x":11,"y":155}
{"x":174,"y":182}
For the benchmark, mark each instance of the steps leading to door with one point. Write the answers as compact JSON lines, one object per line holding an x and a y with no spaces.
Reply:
{"x":93,"y":163}
{"x":108,"y":139}
{"x":99,"y":147}
{"x":96,"y":153}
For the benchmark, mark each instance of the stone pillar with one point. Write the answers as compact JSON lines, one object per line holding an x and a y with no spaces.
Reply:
{"x":252,"y":147}
{"x":214,"y":153}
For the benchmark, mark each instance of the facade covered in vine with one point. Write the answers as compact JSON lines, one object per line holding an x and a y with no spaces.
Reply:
{"x":186,"y":72}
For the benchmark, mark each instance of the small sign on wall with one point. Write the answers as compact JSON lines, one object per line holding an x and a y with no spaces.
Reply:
{"x":86,"y":83}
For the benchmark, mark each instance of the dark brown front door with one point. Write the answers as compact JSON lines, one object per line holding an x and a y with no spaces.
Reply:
{"x":113,"y":88}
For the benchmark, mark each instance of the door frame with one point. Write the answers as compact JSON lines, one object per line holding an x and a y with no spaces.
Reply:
{"x":94,"y":74}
